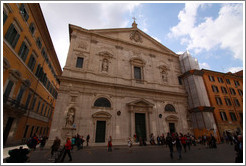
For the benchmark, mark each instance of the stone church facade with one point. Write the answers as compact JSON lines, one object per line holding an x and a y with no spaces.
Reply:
{"x":117,"y":82}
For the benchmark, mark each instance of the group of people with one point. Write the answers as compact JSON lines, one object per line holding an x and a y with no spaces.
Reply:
{"x":79,"y":141}
{"x":35,"y":140}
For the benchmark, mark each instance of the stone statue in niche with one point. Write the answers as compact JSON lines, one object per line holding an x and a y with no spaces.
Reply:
{"x":105,"y":65}
{"x":70,"y":117}
{"x":164,"y":75}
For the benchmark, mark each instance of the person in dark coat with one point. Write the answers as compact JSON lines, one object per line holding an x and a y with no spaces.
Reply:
{"x":178,"y":146}
{"x":169,"y":142}
{"x":55,"y":146}
{"x":239,"y":149}
{"x":87,"y":140}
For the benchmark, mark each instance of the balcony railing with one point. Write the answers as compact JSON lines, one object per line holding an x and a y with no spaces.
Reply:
{"x":14,"y":104}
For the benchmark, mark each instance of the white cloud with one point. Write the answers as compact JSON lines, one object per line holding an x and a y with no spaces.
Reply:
{"x":157,"y":39}
{"x":204,"y":65}
{"x":234,"y":69}
{"x":226,"y":31}
{"x":86,"y":15}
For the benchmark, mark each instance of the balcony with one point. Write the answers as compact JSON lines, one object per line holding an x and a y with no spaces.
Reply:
{"x":13,"y":106}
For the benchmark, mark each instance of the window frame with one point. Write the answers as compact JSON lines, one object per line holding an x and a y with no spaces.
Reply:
{"x":78,"y":65}
{"x":223,"y":118}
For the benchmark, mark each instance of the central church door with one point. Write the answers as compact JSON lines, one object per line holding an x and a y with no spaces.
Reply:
{"x":100,"y":131}
{"x":140,"y":126}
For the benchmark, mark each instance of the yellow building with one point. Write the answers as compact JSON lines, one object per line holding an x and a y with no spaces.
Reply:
{"x":30,"y":70}
{"x":225,"y":92}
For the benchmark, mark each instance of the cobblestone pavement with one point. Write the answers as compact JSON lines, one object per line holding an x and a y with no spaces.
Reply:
{"x":142,"y":154}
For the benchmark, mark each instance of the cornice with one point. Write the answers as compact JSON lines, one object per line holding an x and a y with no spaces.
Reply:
{"x":113,"y":85}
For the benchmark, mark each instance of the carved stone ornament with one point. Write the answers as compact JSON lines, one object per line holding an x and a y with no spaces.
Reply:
{"x":82,"y":45}
{"x":135,"y":35}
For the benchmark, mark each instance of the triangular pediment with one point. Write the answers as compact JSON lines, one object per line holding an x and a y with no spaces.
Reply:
{"x":133,"y":36}
{"x":141,"y":103}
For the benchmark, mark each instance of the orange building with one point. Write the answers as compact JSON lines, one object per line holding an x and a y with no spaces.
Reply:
{"x":30,"y":70}
{"x":225,"y":91}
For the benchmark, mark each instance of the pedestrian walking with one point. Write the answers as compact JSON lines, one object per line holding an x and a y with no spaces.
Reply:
{"x":82,"y":142}
{"x":87,"y":140}
{"x":188,"y":141}
{"x":110,"y":144}
{"x":178,"y":146}
{"x":68,"y":147}
{"x":183,"y":141}
{"x":78,"y":142}
{"x":239,"y":149}
{"x":73,"y":140}
{"x":129,"y":142}
{"x":55,"y":146}
{"x":43,"y":142}
{"x":169,"y":142}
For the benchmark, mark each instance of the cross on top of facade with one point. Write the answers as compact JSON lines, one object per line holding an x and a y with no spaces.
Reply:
{"x":134,"y":18}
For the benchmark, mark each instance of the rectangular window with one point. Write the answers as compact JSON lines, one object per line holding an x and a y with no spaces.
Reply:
{"x":180,"y":80}
{"x":12,"y":36}
{"x":215,"y":89}
{"x":241,"y":117}
{"x":26,"y":130}
{"x":31,"y":62}
{"x":228,"y":81}
{"x":237,"y":104}
{"x":7,"y":91}
{"x":232,"y":91}
{"x":137,"y":73}
{"x":240,"y":92}
{"x":33,"y":103}
{"x":23,"y":51}
{"x":223,"y":116}
{"x":218,"y":100}
{"x":220,"y":79}
{"x":40,"y":131}
{"x":223,"y":89}
{"x":5,"y":16}
{"x":23,"y":12}
{"x":20,"y":94}
{"x":28,"y":100}
{"x":39,"y":43}
{"x":31,"y":131}
{"x":38,"y":106}
{"x":79,"y":63}
{"x":32,"y":28}
{"x":233,"y":116}
{"x":36,"y":130}
{"x":211,"y":78}
{"x":45,"y":110}
{"x":42,"y":108}
{"x":228,"y":101}
{"x":236,"y":83}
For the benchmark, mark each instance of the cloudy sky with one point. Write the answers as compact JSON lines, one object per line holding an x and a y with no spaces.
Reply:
{"x":212,"y":32}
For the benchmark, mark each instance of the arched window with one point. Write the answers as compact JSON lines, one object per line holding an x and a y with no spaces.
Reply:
{"x":169,"y":108}
{"x":102,"y":102}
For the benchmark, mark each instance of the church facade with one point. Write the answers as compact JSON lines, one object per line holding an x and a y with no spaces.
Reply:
{"x":118,"y":82}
